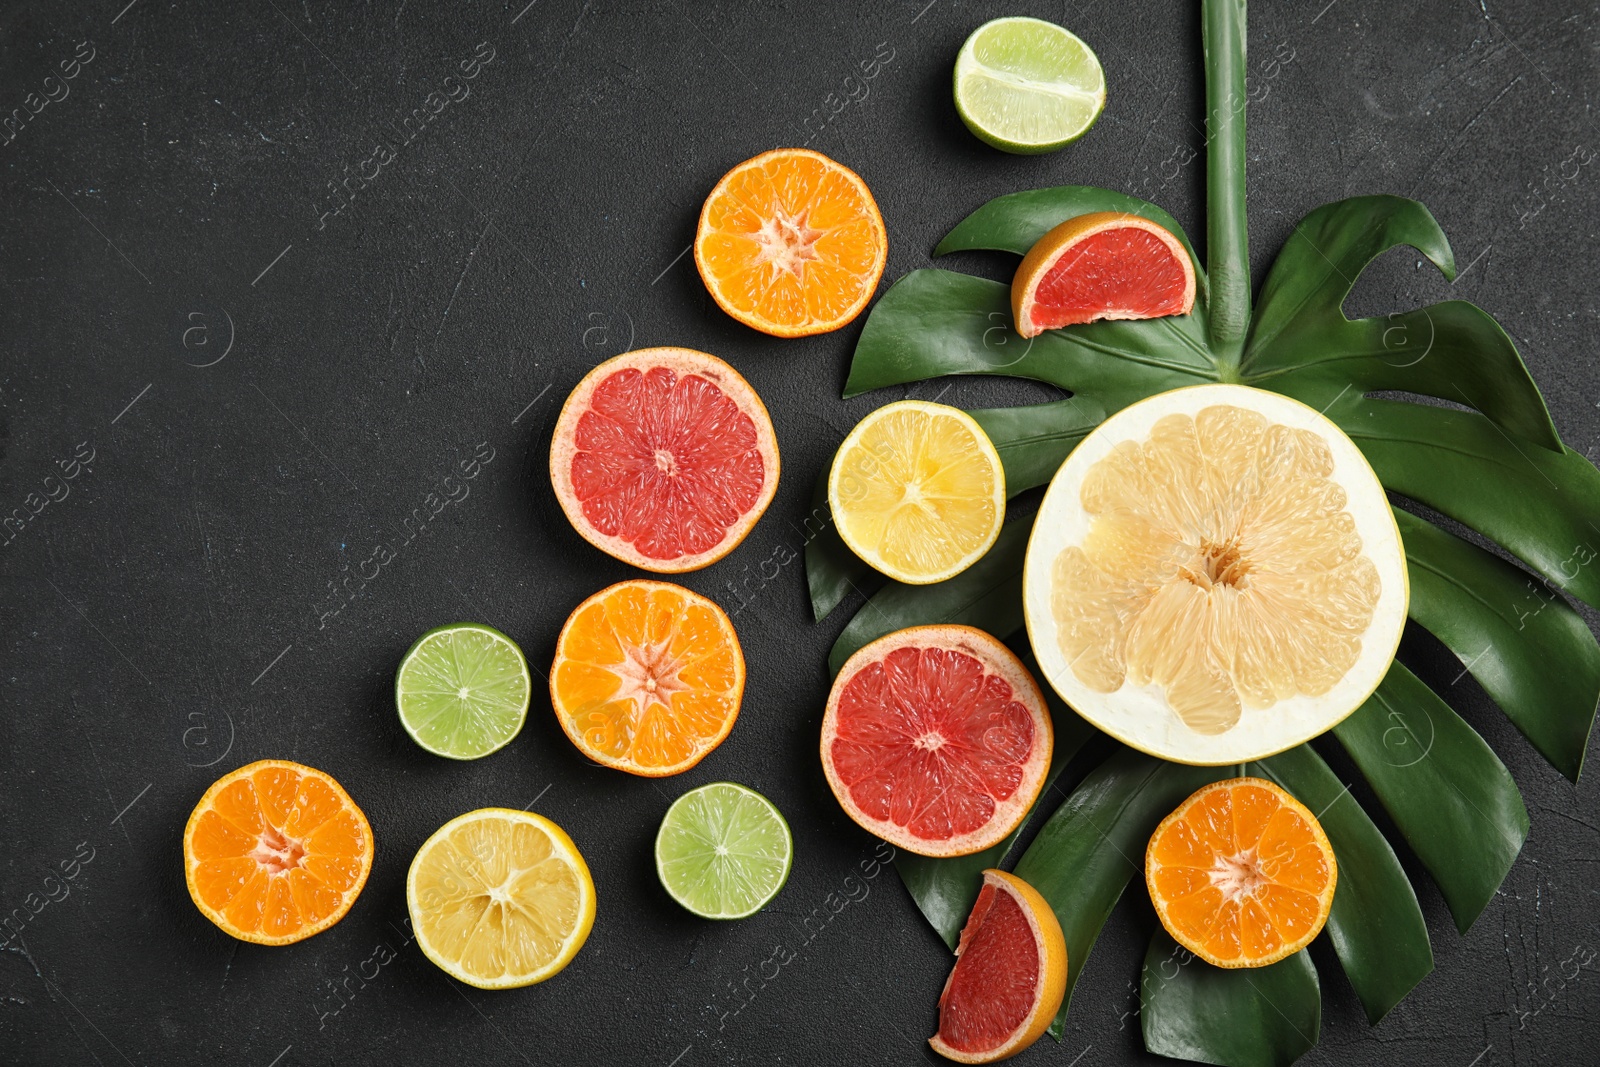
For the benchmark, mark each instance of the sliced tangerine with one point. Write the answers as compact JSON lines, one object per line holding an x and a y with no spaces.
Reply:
{"x":1103,"y":265}
{"x":937,"y":739}
{"x":275,"y":852}
{"x":1241,"y":874}
{"x":791,"y":243}
{"x":665,"y":458}
{"x":647,"y":677}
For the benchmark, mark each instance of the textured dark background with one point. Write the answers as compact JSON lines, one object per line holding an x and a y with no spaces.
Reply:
{"x":164,"y":622}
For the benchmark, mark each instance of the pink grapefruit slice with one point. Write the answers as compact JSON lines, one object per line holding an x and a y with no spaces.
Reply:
{"x":1104,"y":265}
{"x":1010,"y":974}
{"x":936,"y":738}
{"x":664,"y":458}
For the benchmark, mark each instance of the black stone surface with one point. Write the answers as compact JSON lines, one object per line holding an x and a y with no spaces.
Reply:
{"x":268,"y":393}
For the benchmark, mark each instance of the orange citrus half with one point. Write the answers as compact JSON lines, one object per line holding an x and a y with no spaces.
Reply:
{"x":647,"y":677}
{"x":1010,"y":974}
{"x":1241,"y":874}
{"x":791,"y":243}
{"x":1104,"y":265}
{"x":275,"y":852}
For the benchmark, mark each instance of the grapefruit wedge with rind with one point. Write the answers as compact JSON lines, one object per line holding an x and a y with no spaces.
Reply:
{"x":1215,"y":575}
{"x":1010,"y":974}
{"x":937,"y":739}
{"x":791,"y":243}
{"x":1241,"y":874}
{"x":665,"y":458}
{"x":275,"y":852}
{"x":1103,"y":265}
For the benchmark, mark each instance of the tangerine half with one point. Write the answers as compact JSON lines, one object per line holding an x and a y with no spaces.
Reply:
{"x":275,"y":852}
{"x":1241,"y":874}
{"x":647,"y":677}
{"x":791,"y":243}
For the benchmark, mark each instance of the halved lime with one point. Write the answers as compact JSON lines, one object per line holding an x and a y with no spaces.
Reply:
{"x":1027,"y":86}
{"x":463,"y":690}
{"x":723,"y":851}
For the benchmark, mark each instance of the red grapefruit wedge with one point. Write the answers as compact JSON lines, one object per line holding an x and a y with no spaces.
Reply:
{"x":665,"y":458}
{"x":936,"y":739}
{"x":1104,"y":265}
{"x":1009,"y":978}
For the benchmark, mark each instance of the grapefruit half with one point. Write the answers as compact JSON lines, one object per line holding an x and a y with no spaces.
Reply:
{"x":936,"y":738}
{"x":1103,"y":265}
{"x":1010,"y":974}
{"x":664,"y":458}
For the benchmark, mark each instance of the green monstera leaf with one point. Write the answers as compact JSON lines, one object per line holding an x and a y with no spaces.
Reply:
{"x":1489,"y":459}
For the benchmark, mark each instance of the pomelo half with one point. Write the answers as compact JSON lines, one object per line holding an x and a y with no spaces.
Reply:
{"x":1215,"y":575}
{"x":665,"y":458}
{"x":937,"y":739}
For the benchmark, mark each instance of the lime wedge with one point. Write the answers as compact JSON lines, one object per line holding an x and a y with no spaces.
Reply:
{"x":1028,"y":86}
{"x":723,"y":851}
{"x":463,"y":690}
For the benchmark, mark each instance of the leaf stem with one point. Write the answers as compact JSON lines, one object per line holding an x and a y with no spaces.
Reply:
{"x":1227,"y":243}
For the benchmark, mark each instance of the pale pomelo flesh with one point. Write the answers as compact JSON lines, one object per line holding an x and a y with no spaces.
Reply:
{"x":1215,"y":576}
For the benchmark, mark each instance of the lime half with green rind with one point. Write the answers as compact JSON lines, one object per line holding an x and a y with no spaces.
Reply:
{"x":1028,"y":86}
{"x":723,"y":851}
{"x":463,"y":690}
